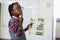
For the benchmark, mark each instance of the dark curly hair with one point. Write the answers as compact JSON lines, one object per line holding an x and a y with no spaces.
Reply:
{"x":10,"y":8}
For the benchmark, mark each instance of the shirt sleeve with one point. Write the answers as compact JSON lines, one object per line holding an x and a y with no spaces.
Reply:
{"x":14,"y":28}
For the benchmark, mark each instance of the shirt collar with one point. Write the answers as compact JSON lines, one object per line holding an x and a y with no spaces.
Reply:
{"x":14,"y":17}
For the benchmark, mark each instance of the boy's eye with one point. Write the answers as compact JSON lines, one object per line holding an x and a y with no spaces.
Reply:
{"x":18,"y":8}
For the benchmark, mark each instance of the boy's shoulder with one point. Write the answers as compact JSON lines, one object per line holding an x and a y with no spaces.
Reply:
{"x":12,"y":20}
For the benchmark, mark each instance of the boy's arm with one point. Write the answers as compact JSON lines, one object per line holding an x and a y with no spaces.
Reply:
{"x":28,"y":26}
{"x":25,"y":29}
{"x":14,"y":28}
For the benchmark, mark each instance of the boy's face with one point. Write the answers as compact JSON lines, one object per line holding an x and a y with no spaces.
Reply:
{"x":17,"y":10}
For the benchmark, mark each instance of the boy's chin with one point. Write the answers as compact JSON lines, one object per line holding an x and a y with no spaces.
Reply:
{"x":17,"y":15}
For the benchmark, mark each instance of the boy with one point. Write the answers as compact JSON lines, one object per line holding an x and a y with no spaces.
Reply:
{"x":16,"y":21}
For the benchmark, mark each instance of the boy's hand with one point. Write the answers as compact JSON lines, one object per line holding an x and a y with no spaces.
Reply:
{"x":20,"y":20}
{"x":28,"y":26}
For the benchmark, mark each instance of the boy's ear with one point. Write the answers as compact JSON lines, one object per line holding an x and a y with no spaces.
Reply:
{"x":12,"y":12}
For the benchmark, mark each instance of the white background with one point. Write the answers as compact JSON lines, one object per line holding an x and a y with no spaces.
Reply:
{"x":57,"y":15}
{"x":56,"y":11}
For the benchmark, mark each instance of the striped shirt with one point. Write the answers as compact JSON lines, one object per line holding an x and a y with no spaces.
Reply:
{"x":14,"y":26}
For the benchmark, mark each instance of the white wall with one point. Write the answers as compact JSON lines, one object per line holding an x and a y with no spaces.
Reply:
{"x":4,"y":21}
{"x":32,"y":8}
{"x":57,"y":15}
{"x":0,"y":20}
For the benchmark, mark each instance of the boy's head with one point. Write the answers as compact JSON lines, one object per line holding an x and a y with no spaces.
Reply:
{"x":15,"y":9}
